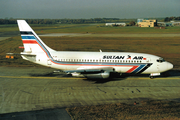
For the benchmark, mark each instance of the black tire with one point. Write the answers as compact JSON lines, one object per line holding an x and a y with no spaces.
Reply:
{"x":151,"y":77}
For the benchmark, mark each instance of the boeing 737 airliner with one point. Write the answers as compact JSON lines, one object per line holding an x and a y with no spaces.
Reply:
{"x":88,"y":64}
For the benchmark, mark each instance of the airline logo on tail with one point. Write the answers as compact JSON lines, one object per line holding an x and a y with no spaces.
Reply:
{"x":27,"y":39}
{"x":31,"y":43}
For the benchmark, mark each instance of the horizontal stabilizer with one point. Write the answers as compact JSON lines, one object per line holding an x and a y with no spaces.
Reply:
{"x":21,"y":54}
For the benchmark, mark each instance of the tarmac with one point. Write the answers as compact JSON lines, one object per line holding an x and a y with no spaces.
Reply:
{"x":38,"y":93}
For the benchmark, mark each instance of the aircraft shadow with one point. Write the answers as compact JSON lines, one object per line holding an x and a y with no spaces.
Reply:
{"x":49,"y":74}
{"x":116,"y":77}
{"x":101,"y":81}
{"x":113,"y":76}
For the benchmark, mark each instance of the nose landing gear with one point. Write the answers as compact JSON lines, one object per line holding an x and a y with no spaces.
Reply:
{"x":151,"y":77}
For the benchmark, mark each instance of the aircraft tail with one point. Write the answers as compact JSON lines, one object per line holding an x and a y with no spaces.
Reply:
{"x":32,"y":43}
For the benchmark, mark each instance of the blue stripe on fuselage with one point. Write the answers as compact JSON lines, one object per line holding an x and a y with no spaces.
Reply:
{"x":138,"y":69}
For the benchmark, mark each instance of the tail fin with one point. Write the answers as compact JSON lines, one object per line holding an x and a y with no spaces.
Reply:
{"x":32,"y":43}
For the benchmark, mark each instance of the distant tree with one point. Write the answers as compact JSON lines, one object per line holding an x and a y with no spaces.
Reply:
{"x":168,"y":19}
{"x":129,"y":22}
{"x":132,"y":23}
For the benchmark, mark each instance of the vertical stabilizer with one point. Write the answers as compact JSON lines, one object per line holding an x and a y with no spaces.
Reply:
{"x":32,"y":43}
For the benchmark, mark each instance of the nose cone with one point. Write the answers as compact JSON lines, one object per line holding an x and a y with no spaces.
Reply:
{"x":169,"y":66}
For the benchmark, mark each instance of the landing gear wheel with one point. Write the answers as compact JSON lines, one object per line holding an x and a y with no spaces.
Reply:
{"x":152,"y":77}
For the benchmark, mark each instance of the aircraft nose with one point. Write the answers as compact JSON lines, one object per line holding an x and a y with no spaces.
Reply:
{"x":169,"y":66}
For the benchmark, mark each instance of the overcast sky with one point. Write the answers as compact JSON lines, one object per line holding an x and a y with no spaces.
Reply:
{"x":89,"y":8}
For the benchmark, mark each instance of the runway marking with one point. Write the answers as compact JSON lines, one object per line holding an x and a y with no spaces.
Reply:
{"x":137,"y":78}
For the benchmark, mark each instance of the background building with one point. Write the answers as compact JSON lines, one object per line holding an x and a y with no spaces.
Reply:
{"x":139,"y":20}
{"x":171,"y":23}
{"x":115,"y":24}
{"x":147,"y":23}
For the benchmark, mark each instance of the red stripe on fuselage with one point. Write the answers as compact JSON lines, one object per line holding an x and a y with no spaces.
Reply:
{"x":30,"y":42}
{"x":132,"y":69}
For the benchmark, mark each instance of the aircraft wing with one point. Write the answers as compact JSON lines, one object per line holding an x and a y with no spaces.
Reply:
{"x":93,"y":70}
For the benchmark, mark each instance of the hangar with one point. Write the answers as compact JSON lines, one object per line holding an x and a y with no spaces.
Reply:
{"x":171,"y":23}
{"x":115,"y":24}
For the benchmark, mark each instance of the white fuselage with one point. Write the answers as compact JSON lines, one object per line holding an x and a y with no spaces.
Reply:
{"x":89,"y":64}
{"x":123,"y":62}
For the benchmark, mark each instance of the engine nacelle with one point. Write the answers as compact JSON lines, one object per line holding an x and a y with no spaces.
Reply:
{"x":104,"y":75}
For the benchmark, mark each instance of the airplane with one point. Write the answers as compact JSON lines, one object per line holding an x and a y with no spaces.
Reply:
{"x":88,"y":64}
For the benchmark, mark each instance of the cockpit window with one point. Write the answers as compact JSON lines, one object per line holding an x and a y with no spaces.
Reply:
{"x":160,"y":60}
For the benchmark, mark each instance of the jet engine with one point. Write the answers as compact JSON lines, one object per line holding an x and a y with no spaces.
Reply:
{"x":103,"y":75}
